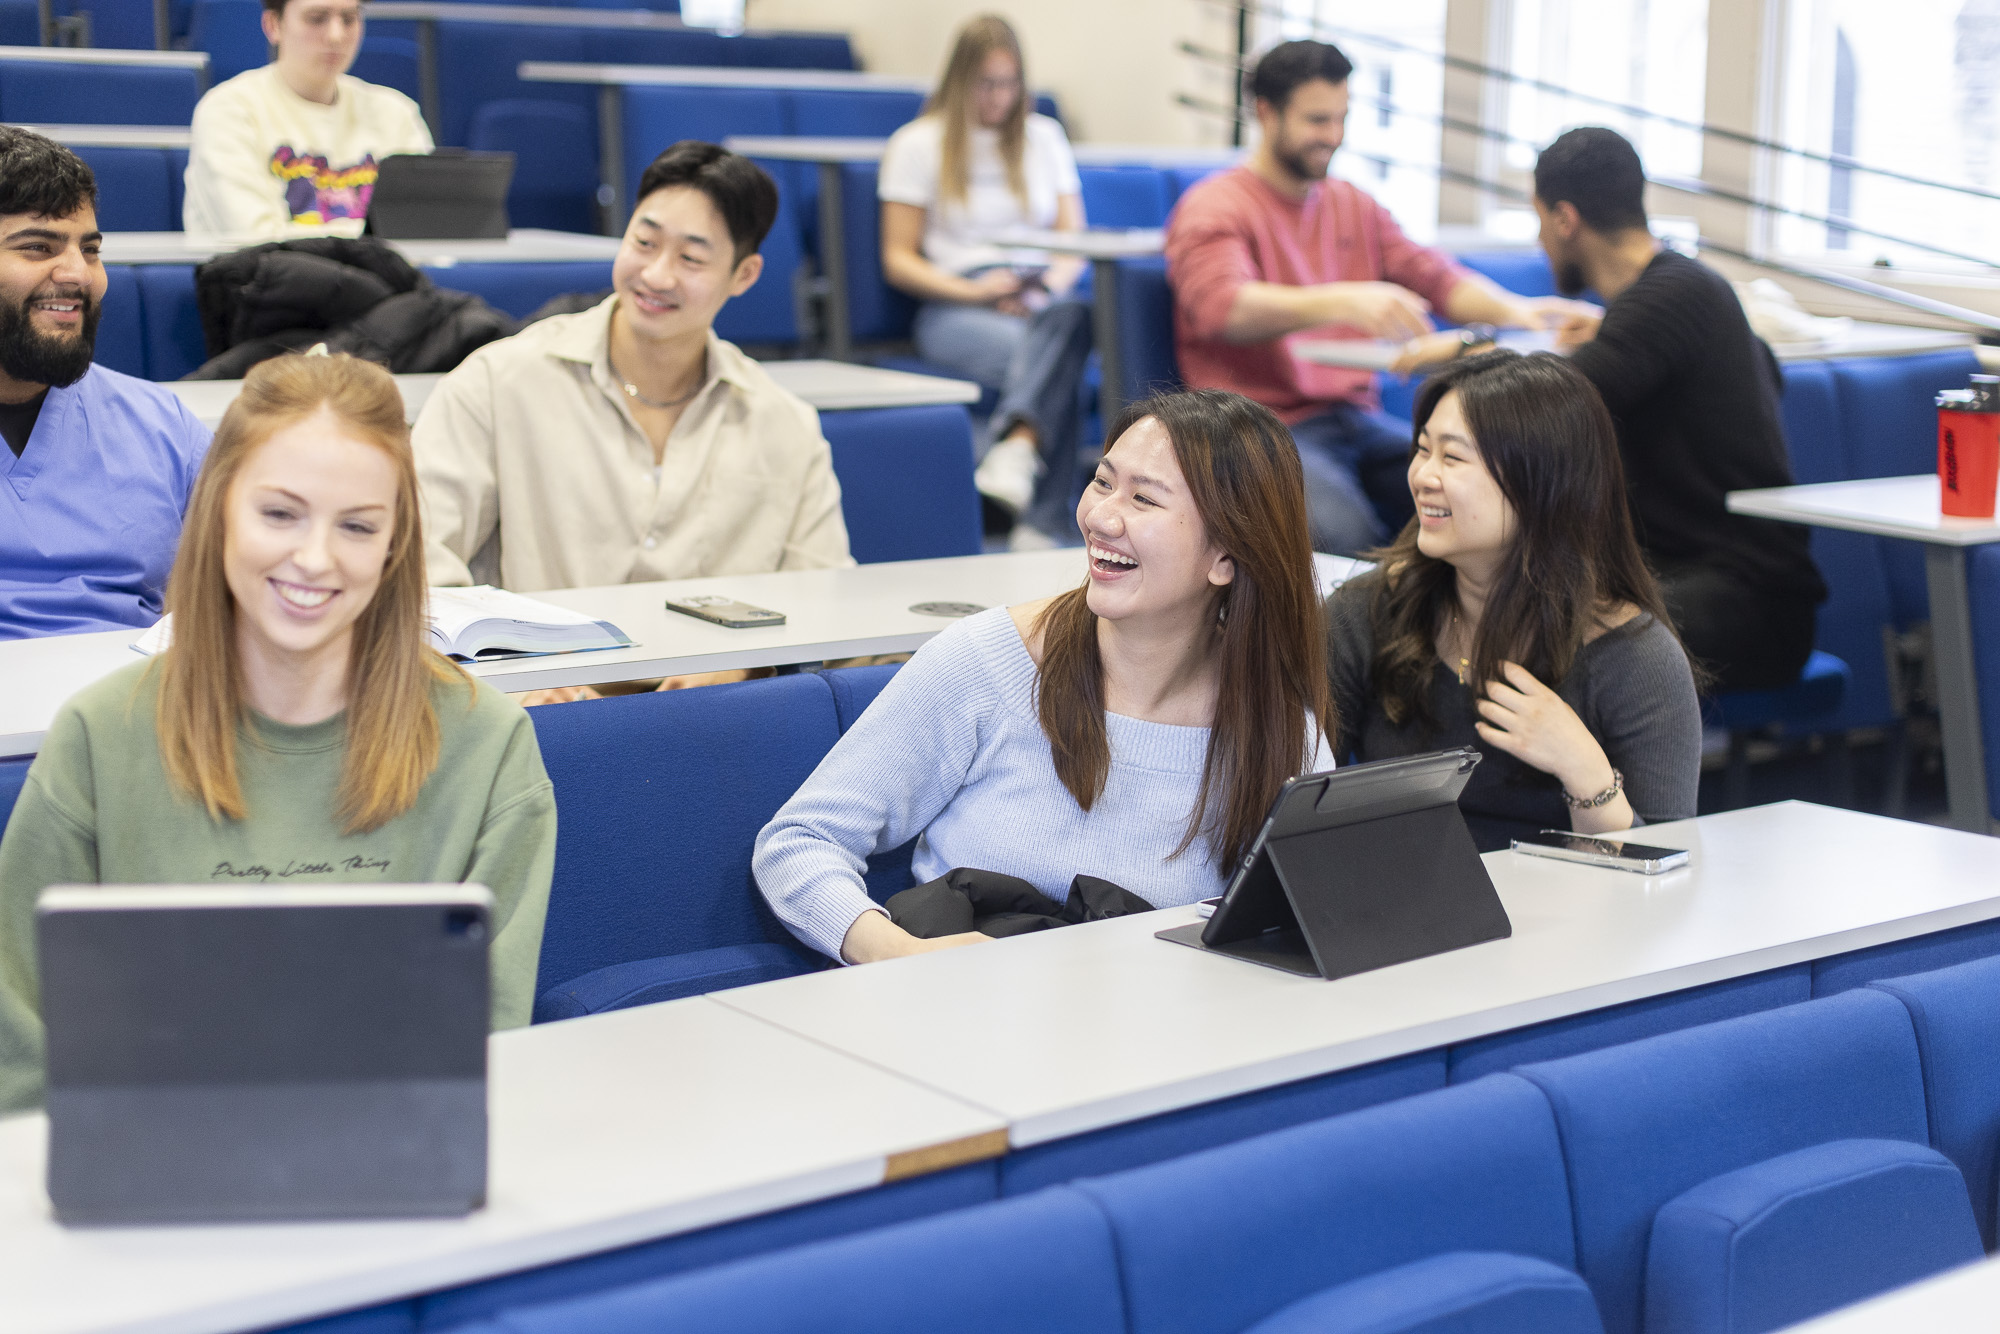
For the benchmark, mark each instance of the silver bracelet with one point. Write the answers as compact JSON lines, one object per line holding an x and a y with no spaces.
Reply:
{"x":1602,"y":798}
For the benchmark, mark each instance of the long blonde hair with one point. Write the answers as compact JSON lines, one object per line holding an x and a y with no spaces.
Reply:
{"x":392,"y":728}
{"x":952,"y":104}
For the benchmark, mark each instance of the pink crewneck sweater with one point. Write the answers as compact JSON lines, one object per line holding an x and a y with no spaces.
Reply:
{"x":1233,"y":228}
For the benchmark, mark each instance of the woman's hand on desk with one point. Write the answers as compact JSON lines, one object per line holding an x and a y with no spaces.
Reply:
{"x":1536,"y":726}
{"x":874,"y":937}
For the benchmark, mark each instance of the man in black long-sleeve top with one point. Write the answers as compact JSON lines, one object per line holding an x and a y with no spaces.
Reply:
{"x":1694,"y":394}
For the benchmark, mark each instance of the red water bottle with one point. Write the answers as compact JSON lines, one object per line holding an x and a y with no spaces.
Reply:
{"x":1969,"y":448}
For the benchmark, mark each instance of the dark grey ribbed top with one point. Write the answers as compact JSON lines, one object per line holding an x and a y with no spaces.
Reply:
{"x":1631,"y":686}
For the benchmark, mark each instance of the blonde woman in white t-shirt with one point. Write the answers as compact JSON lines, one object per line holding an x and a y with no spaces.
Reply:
{"x":291,"y":148}
{"x":976,"y":164}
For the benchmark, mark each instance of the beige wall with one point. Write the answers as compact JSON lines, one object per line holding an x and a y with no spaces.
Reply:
{"x":1115,"y":65}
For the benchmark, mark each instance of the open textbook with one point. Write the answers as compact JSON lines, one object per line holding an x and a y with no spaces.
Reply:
{"x":482,"y":623}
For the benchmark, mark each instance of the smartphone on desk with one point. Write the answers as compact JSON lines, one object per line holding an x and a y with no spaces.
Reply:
{"x":725,"y":611}
{"x":1602,"y":850}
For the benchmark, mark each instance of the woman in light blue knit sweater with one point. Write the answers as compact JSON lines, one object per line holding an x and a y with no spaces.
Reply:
{"x":1136,"y":728}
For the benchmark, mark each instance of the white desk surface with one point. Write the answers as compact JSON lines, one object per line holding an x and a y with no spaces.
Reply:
{"x":826,"y":385}
{"x":845,"y":613}
{"x":1867,"y":339}
{"x":1096,"y":243}
{"x":523,"y":245}
{"x":834,"y":385}
{"x":1905,"y":507}
{"x":708,"y":76}
{"x":605,"y":1131}
{"x":115,"y":136}
{"x":1170,"y":1026}
{"x":827,"y":148}
{"x":830,"y":614}
{"x":541,"y":16}
{"x":99,"y":55}
{"x":1960,"y":1301}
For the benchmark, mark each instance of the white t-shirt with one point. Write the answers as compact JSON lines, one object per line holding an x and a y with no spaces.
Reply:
{"x":266,"y":163}
{"x":957,"y":235}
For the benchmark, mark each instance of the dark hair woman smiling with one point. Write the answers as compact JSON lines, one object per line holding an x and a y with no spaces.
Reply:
{"x":1136,"y":729}
{"x":1515,"y":614}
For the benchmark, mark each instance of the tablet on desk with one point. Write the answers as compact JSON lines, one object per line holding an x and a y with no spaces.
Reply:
{"x":263,"y":1051}
{"x":1358,"y":869}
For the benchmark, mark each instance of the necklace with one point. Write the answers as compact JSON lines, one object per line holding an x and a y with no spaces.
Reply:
{"x":632,"y":391}
{"x":1464,"y":664}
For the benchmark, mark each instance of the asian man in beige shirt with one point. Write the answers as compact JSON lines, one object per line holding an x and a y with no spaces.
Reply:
{"x":628,"y":442}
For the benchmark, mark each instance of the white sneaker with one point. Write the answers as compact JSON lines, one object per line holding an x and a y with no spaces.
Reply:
{"x":1007,"y":474}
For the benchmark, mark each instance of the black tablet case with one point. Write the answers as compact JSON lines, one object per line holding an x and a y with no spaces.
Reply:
{"x":448,"y":195}
{"x":1376,"y":868}
{"x":299,"y":1062}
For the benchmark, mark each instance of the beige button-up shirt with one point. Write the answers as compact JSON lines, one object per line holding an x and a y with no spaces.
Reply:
{"x":536,"y":475}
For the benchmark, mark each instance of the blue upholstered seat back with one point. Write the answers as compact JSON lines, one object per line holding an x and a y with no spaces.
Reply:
{"x":1857,"y":608}
{"x":121,"y":329}
{"x":51,"y":93}
{"x":1889,"y":421}
{"x":1956,"y":1013}
{"x":1043,"y":1263}
{"x":1215,"y":1241}
{"x":659,"y":798}
{"x":905,"y":481}
{"x":1982,"y":577}
{"x":1644,"y":1122}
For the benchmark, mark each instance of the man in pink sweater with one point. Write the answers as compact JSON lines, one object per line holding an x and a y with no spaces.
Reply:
{"x":1275,"y":249}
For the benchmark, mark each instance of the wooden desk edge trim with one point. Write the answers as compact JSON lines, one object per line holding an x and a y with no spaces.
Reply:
{"x":937,"y":1157}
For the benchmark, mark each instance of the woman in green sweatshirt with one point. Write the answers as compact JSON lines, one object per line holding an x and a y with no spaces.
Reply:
{"x":299,"y":728}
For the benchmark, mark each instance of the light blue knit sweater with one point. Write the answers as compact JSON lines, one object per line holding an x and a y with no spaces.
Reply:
{"x":952,"y":749}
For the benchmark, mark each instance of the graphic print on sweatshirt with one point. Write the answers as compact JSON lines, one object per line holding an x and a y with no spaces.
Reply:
{"x":316,"y":191}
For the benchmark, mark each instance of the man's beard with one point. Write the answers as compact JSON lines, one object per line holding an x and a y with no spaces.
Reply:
{"x":1295,"y":162}
{"x":1569,"y":277}
{"x":52,"y":359}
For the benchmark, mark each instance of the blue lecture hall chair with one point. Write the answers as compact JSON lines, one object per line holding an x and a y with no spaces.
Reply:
{"x":1043,"y":1263}
{"x":232,"y":33}
{"x":1446,"y":1210}
{"x":174,"y":342}
{"x":1889,"y":421}
{"x":1752,"y":1173}
{"x":1956,"y":1013}
{"x":393,"y":62}
{"x":121,"y":329}
{"x":906,"y":487}
{"x":1982,"y":578}
{"x":118,"y":24}
{"x":840,"y":113}
{"x":13,"y":773}
{"x":136,"y":188}
{"x":661,"y":797}
{"x":20,"y":23}
{"x":47,"y":93}
{"x":555,"y":160}
{"x":1124,"y":196}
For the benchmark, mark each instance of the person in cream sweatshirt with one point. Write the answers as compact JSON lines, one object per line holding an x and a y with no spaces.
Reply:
{"x":291,"y":149}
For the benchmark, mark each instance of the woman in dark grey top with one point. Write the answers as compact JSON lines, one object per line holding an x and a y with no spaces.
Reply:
{"x":1515,"y":615}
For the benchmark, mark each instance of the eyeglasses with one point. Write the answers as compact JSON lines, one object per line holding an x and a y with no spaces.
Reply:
{"x":997,"y":85}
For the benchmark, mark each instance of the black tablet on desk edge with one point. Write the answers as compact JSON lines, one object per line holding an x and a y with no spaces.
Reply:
{"x":1357,"y":869}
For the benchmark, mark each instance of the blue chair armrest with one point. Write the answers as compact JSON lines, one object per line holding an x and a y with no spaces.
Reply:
{"x":1446,"y":1294}
{"x":1783,"y":1240}
{"x":649,"y":981}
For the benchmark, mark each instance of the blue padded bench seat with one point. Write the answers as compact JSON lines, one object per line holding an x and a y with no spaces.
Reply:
{"x":1042,"y":1263}
{"x":1956,"y":1014}
{"x":36,"y":92}
{"x":1707,"y":1116}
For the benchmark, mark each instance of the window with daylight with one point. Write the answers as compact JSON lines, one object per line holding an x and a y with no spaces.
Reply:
{"x":1913,"y":87}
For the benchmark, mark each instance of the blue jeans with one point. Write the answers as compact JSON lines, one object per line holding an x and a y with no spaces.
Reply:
{"x":1035,"y":363}
{"x":1357,"y":467}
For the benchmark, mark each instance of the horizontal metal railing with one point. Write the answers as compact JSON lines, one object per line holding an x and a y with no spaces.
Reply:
{"x":1464,"y":65}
